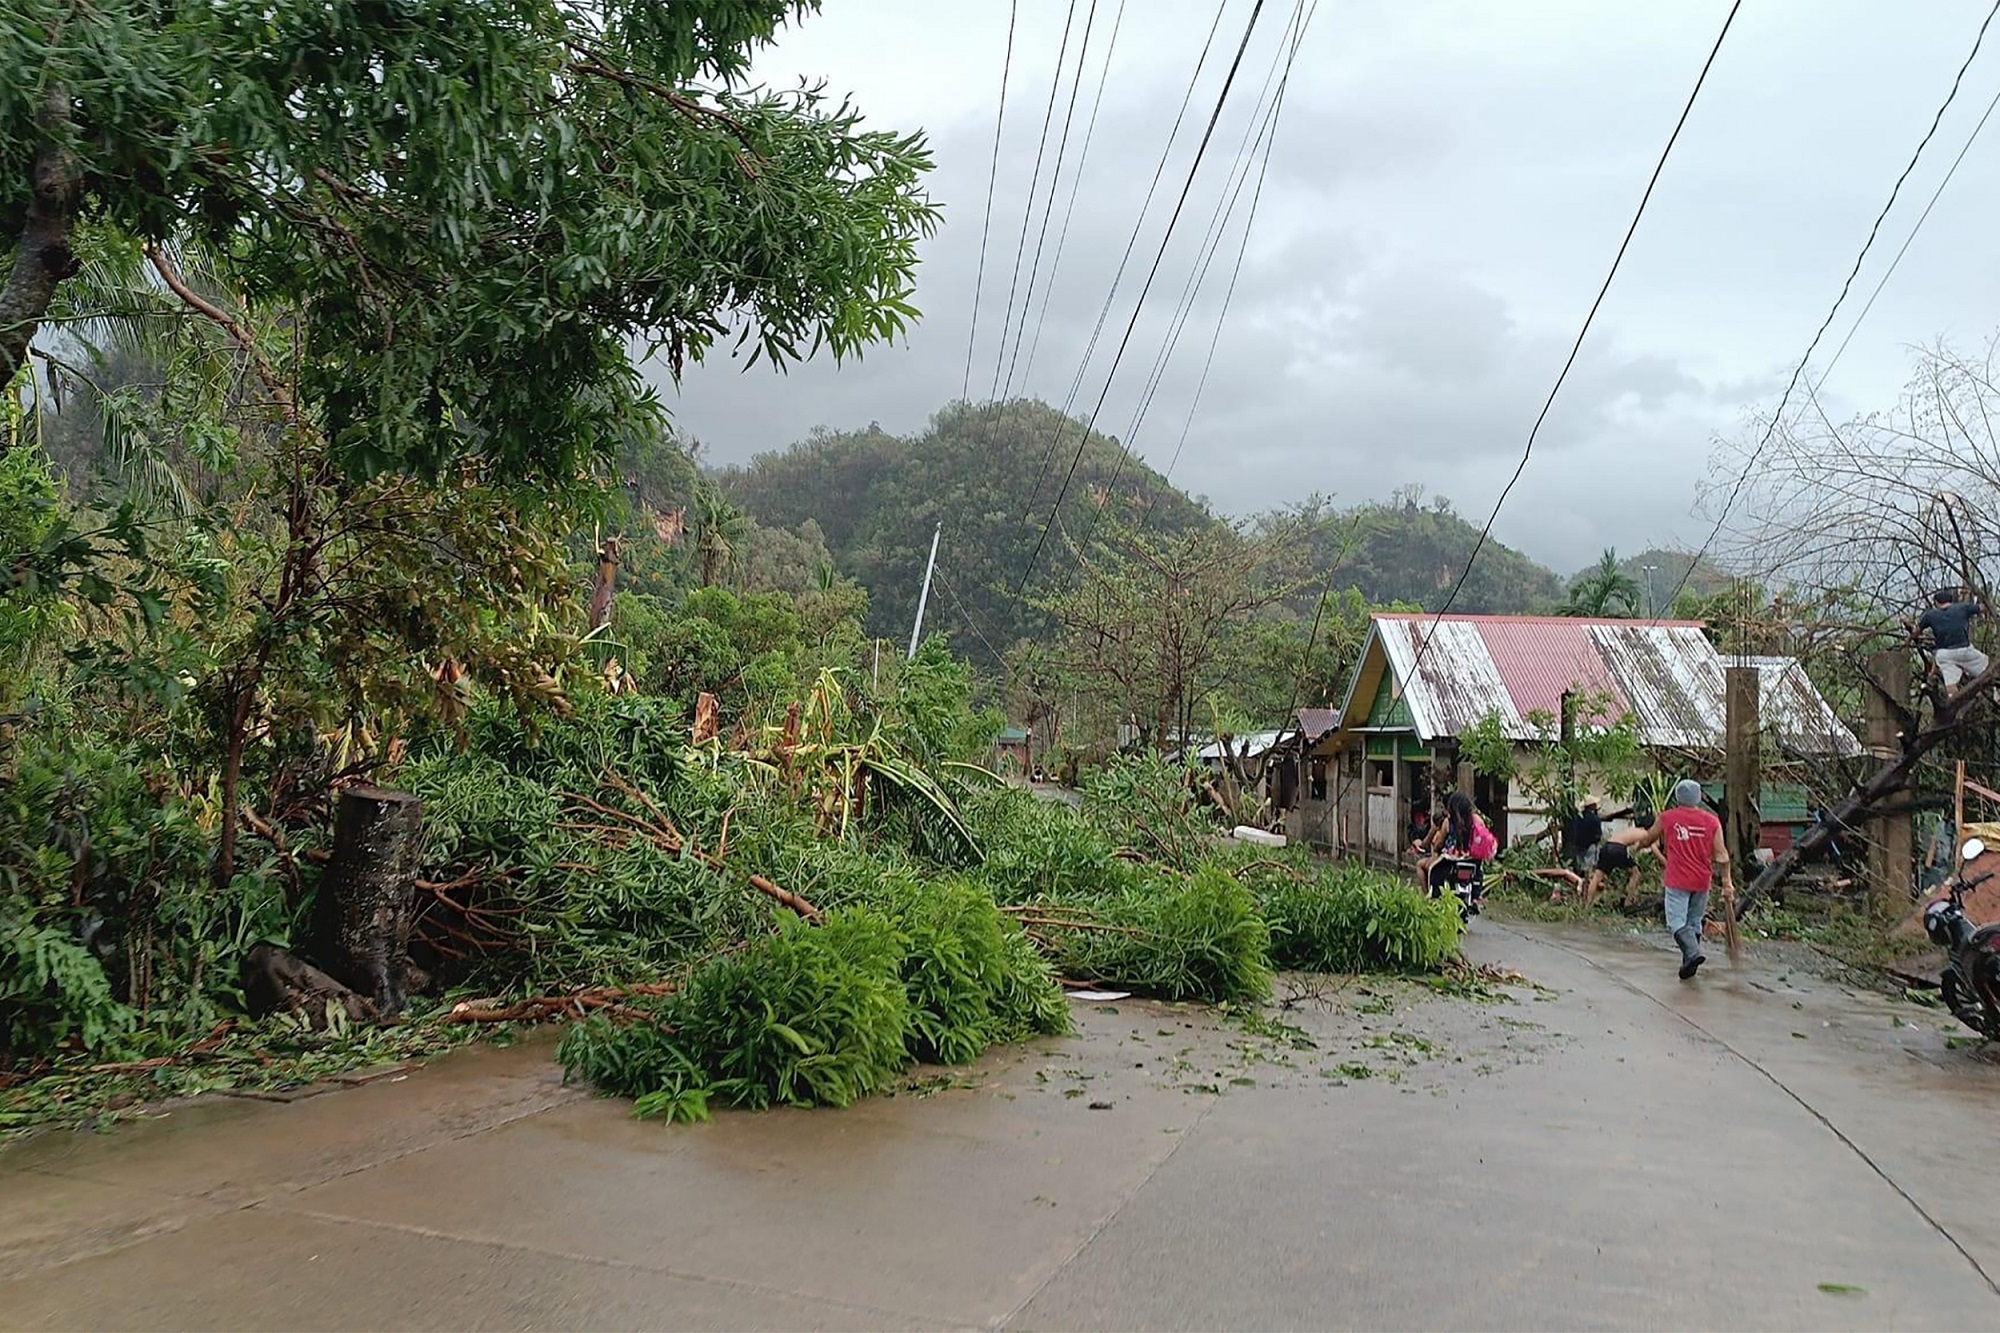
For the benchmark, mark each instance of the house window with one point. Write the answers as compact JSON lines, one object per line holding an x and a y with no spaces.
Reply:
{"x":1381,"y":773}
{"x":1319,"y":779}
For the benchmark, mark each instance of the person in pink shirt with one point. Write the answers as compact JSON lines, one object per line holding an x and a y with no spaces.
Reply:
{"x":1690,"y":840}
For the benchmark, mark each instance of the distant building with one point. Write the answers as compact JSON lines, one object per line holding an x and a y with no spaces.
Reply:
{"x":1010,"y":751}
{"x":1393,"y":741}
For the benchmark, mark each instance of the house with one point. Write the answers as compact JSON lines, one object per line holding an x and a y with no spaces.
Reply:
{"x":1422,"y":682}
{"x":1010,"y":751}
{"x":1247,"y":748}
{"x":1279,"y":761}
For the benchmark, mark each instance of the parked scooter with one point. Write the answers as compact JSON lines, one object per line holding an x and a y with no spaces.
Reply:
{"x":1971,"y":979}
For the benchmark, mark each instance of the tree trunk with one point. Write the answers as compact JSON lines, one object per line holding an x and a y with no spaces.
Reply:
{"x":366,"y":901}
{"x":1872,"y":794}
{"x":275,"y":980}
{"x":42,"y":255}
{"x":232,"y":773}
{"x":604,"y":585}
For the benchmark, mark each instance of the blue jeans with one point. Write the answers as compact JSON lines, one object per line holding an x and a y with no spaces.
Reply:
{"x":1684,"y":914}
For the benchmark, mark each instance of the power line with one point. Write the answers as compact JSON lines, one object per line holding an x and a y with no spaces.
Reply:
{"x":1577,"y":347}
{"x":966,"y":616}
{"x":1319,"y":610}
{"x":1261,"y":131}
{"x":1049,"y":205}
{"x":1756,"y":455}
{"x":1076,"y":182}
{"x":1139,"y":306}
{"x":992,"y":179}
{"x":1265,"y":132}
{"x":1118,"y":277}
{"x":1034,"y":185}
{"x":1921,"y":219}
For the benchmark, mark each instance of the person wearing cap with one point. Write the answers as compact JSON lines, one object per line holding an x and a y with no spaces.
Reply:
{"x":1690,"y":840}
{"x":1617,"y":853}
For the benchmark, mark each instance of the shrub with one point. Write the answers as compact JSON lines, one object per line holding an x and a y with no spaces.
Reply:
{"x":1198,"y":938}
{"x":811,"y":1016}
{"x":1149,"y":802}
{"x":971,"y":982}
{"x":1346,"y":919}
{"x":54,"y":991}
{"x":1040,"y":849}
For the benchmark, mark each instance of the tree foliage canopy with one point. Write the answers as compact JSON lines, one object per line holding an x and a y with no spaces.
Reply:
{"x":471,"y":210}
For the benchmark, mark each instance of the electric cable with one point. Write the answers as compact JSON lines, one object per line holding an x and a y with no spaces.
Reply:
{"x":1118,"y":277}
{"x":1588,"y":319}
{"x":1266,"y":133}
{"x":992,"y":180}
{"x":1049,"y":204}
{"x":1757,"y":454}
{"x":1034,"y":187}
{"x":1076,"y":181}
{"x":1201,"y":150}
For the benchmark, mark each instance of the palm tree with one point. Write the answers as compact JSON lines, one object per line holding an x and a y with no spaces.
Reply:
{"x":722,"y":529}
{"x":1603,"y":590}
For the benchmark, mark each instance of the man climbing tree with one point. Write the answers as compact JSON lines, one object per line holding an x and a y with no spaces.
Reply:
{"x":1948,"y":628}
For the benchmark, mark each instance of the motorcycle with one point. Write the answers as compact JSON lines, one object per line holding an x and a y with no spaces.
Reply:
{"x":1971,"y":978}
{"x":1465,"y":877}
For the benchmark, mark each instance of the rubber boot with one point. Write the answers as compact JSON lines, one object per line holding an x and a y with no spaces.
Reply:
{"x":1691,"y":956}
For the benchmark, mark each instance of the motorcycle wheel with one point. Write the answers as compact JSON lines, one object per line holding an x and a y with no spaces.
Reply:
{"x":1963,"y":1006}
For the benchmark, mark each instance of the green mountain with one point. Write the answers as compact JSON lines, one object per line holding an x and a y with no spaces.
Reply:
{"x":877,"y":498}
{"x":1411,"y":552}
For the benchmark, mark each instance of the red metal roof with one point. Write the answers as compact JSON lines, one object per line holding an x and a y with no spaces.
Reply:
{"x":1538,"y":620}
{"x":1541,"y":658}
{"x":1667,"y":676}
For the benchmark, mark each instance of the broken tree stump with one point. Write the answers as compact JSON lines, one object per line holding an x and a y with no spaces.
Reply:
{"x":366,"y":902}
{"x":276,"y":980}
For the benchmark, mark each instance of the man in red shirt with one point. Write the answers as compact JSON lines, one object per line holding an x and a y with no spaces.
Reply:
{"x":1690,"y":841}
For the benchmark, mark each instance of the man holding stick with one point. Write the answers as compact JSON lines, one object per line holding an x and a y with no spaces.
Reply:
{"x":1691,"y":842}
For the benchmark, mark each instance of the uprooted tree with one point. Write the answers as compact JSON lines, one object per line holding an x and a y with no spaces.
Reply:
{"x":1860,"y":521}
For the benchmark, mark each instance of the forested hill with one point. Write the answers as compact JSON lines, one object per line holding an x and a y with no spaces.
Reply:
{"x":1412,"y":551}
{"x":1702,"y":576}
{"x":878,"y":496}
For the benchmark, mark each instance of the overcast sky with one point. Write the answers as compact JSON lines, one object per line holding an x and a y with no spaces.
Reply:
{"x":1449,"y":183}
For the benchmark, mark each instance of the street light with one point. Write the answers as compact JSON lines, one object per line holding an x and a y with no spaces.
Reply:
{"x":1650,"y":610}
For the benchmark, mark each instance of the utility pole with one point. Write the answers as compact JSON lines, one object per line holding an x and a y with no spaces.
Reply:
{"x":924,"y":597}
{"x":1891,"y":838}
{"x":1742,"y":765}
{"x":1650,"y":609}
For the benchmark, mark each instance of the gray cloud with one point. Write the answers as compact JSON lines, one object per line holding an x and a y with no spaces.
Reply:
{"x":1449,"y":185}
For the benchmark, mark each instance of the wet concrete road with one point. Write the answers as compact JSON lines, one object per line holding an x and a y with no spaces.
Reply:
{"x":1609,"y":1149}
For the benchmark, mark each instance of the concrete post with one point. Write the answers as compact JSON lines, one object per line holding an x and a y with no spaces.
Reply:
{"x":1891,"y":838}
{"x":1742,"y":767}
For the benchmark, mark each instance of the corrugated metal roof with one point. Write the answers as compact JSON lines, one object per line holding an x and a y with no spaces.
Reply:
{"x":1667,"y":676}
{"x":1453,"y":683}
{"x":1316,"y":722}
{"x":1246,"y":746}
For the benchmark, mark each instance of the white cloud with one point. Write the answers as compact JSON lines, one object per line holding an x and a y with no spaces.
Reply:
{"x":1450,"y":183}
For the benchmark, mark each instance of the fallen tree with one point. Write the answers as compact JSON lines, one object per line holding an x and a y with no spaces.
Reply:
{"x":1872,"y":797}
